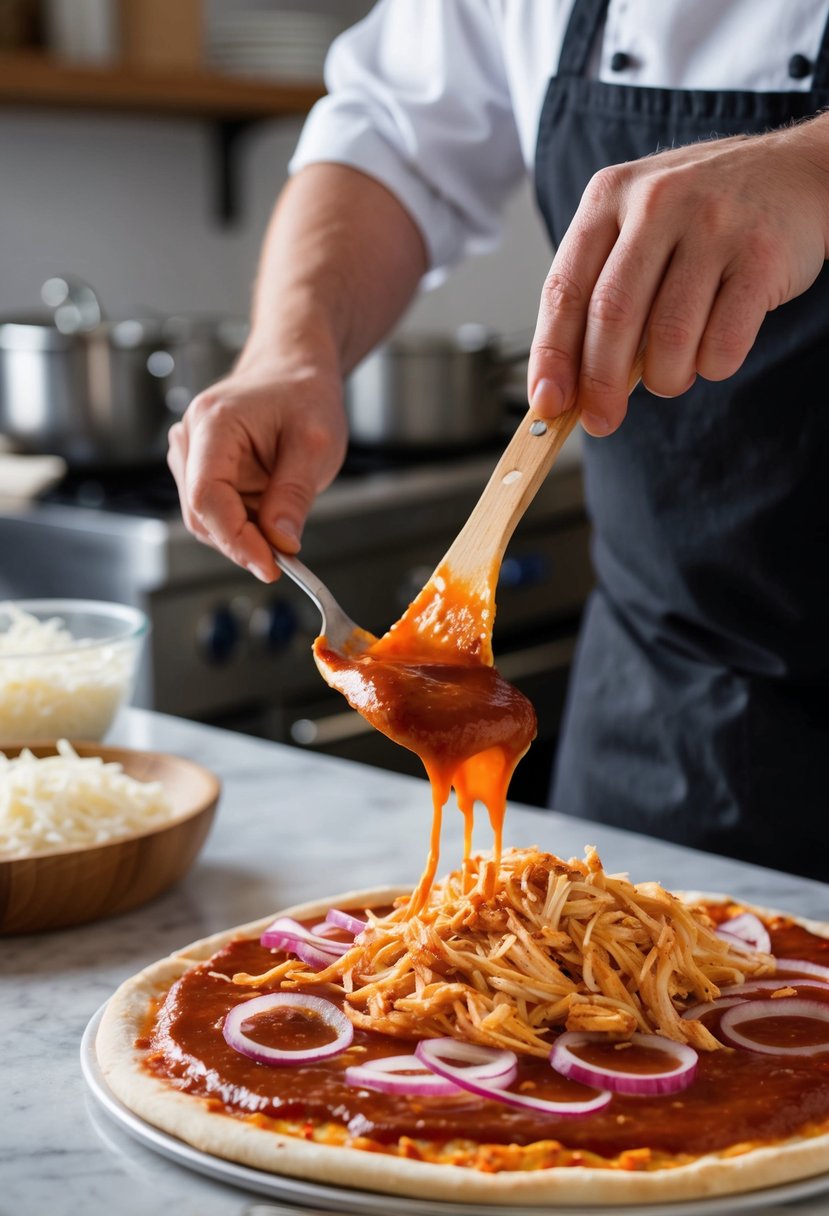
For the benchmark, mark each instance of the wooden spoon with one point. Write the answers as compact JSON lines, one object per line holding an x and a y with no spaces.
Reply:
{"x":470,"y":566}
{"x":452,"y":617}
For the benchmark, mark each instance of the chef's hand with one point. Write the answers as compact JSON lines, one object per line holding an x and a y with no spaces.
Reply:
{"x":686,"y":252}
{"x":342,"y":258}
{"x":252,"y":452}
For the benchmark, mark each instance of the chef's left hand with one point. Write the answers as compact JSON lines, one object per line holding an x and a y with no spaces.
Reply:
{"x":685,"y":251}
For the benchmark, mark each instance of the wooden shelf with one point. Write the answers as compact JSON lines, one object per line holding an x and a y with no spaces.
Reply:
{"x":230,"y":104}
{"x":31,"y":79}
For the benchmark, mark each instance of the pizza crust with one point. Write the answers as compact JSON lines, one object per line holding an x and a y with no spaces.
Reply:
{"x":188,"y":1117}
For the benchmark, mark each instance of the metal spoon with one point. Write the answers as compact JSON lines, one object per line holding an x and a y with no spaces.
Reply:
{"x":341,"y":633}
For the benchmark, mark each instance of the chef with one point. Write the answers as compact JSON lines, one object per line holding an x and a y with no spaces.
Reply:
{"x":681,"y":164}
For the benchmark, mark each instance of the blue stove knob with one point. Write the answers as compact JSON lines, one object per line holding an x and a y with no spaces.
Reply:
{"x":528,"y":570}
{"x":219,"y":635}
{"x":280,"y":625}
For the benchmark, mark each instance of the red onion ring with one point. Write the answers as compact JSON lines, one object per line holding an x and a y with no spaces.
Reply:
{"x":287,"y":934}
{"x":790,"y":966}
{"x":722,"y":1002}
{"x":772,"y":984}
{"x":671,"y":1081}
{"x":384,"y":1076}
{"x":325,"y":929}
{"x":747,"y":929}
{"x":345,"y":920}
{"x":732,"y":994}
{"x":317,"y":1006}
{"x":785,"y":1006}
{"x":315,"y":958}
{"x":433,"y":1051}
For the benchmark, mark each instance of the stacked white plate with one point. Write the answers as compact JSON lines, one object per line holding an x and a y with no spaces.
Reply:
{"x":277,"y":44}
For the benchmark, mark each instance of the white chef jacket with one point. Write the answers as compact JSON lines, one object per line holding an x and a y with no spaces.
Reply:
{"x":440,"y":100}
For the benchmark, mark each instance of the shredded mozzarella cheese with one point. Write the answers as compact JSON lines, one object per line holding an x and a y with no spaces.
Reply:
{"x":558,"y":945}
{"x":66,"y":800}
{"x":52,"y":684}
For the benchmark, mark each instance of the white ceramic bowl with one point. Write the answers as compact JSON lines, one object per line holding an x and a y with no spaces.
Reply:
{"x":71,"y":683}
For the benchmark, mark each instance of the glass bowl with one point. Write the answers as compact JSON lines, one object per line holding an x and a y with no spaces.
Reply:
{"x":66,"y":667}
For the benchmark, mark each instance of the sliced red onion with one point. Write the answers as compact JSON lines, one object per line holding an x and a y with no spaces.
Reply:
{"x":481,"y":1063}
{"x":790,"y":966}
{"x":774,"y":985}
{"x":669,"y":1081}
{"x":315,"y":1006}
{"x":345,"y":920}
{"x":284,"y":934}
{"x":436,"y":1052}
{"x":327,"y":930}
{"x":747,"y":929}
{"x":313,"y":956}
{"x":401,"y":1075}
{"x":733,"y":994}
{"x":394,"y":1075}
{"x":722,"y":1002}
{"x":785,"y":1006}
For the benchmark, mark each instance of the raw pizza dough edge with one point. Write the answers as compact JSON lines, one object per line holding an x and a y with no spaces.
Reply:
{"x":188,"y":1118}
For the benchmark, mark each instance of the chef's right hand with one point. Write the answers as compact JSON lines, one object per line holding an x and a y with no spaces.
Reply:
{"x":252,"y":452}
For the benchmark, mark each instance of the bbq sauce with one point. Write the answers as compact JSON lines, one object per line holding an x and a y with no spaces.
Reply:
{"x":430,"y":685}
{"x":737,"y":1097}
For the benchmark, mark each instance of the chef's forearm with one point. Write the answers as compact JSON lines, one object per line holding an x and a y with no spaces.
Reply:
{"x":341,"y":260}
{"x":813,"y":146}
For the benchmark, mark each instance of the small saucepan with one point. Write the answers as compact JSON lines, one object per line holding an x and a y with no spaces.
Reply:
{"x":431,"y":391}
{"x":103,"y":392}
{"x":93,"y":396}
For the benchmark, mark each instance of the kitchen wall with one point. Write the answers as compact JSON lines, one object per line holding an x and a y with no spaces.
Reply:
{"x":127,"y":204}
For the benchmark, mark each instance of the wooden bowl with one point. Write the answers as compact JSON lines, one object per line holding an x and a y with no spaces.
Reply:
{"x":73,"y":886}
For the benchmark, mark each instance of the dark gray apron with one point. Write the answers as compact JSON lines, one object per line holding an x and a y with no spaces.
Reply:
{"x":699,"y":704}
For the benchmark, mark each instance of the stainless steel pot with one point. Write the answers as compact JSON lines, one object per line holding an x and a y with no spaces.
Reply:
{"x":434,"y":391}
{"x":106,"y":395}
{"x":95,"y":396}
{"x":203,"y":349}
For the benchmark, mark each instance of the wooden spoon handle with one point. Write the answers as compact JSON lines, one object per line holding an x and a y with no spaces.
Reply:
{"x":477,"y":551}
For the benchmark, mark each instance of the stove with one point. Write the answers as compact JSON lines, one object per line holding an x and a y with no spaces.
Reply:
{"x":228,"y":650}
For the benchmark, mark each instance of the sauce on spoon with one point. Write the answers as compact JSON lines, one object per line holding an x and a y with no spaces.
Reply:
{"x":429,"y":684}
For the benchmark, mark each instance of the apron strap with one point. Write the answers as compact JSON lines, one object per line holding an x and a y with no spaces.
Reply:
{"x":820,"y":76}
{"x":585,"y":19}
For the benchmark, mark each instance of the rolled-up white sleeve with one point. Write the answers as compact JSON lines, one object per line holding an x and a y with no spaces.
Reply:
{"x":418,"y":99}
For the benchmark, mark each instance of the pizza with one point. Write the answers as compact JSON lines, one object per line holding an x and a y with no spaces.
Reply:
{"x":409,"y":1052}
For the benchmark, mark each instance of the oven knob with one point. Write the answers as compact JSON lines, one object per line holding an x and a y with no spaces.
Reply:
{"x":275,"y":625}
{"x":526,"y":571}
{"x":219,"y":635}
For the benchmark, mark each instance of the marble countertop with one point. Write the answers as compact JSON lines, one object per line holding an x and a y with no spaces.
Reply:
{"x":290,"y":827}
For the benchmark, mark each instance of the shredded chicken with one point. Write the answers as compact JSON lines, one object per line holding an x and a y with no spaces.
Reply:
{"x":556,"y":945}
